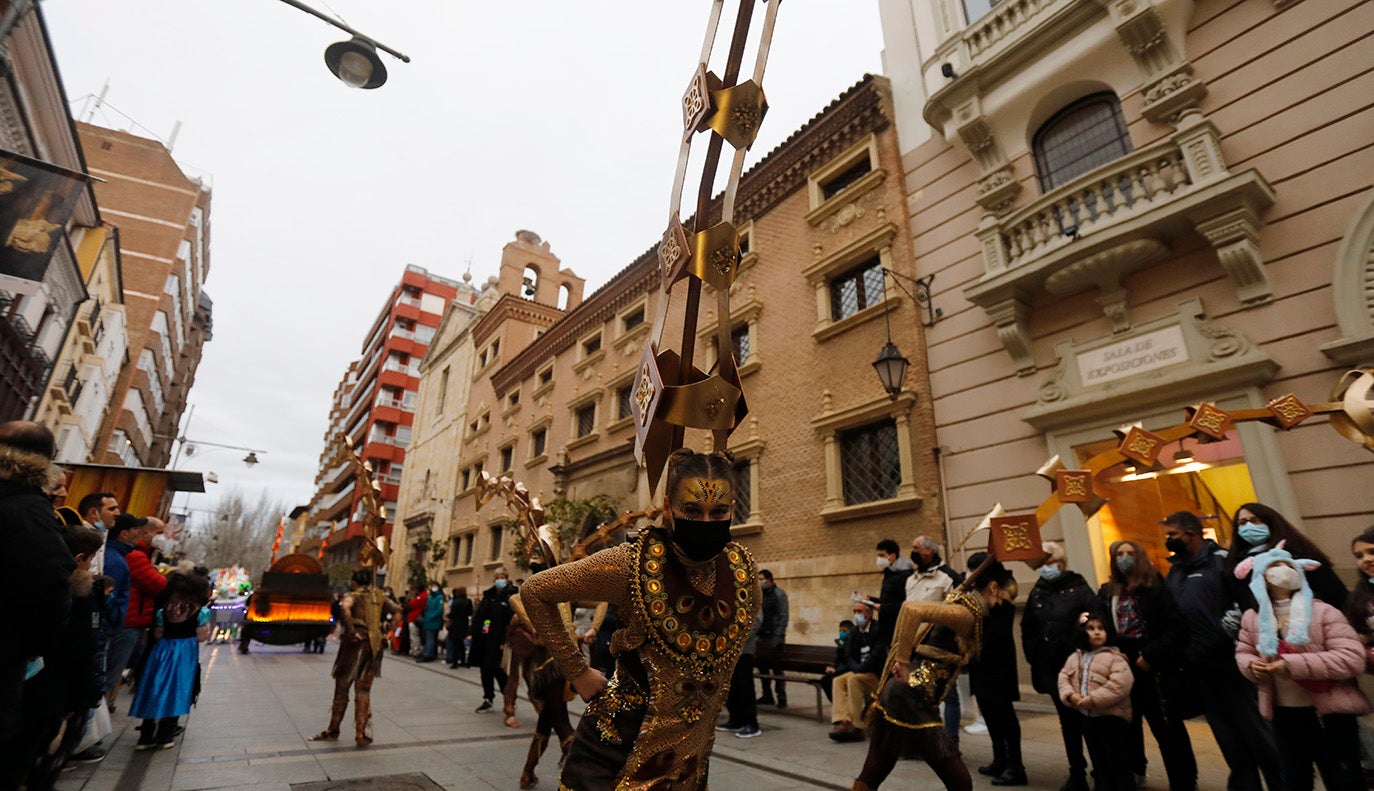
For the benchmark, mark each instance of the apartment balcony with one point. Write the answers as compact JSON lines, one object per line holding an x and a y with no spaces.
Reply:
{"x":330,"y":502}
{"x":387,"y":449}
{"x":1098,"y":229}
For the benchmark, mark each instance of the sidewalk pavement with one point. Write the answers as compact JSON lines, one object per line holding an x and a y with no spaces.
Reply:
{"x":257,"y":712}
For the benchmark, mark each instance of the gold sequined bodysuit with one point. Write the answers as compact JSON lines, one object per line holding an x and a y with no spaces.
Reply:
{"x":684,"y":630}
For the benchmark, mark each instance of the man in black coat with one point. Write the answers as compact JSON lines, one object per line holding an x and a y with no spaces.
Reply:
{"x":489,"y":636}
{"x":1049,"y":630}
{"x":459,"y":620}
{"x":772,"y":634}
{"x":34,"y":585}
{"x":1198,"y":582}
{"x":895,"y":569}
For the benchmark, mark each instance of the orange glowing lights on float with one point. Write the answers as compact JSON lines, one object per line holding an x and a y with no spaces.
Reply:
{"x":276,"y":542}
{"x":292,"y":611}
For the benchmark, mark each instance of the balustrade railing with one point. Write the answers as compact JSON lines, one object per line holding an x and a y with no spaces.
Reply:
{"x":1104,"y":197}
{"x":1001,"y":22}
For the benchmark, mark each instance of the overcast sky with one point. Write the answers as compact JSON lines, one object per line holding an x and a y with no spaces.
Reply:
{"x":556,"y":116}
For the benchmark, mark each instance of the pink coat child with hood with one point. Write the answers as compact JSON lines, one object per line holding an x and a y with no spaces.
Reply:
{"x":1303,"y":656}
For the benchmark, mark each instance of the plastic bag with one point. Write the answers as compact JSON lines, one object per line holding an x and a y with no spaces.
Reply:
{"x":97,"y":727}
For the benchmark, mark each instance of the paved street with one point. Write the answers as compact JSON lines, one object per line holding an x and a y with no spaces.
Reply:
{"x":256,"y":713}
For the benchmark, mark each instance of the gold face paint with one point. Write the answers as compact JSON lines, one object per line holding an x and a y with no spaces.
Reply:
{"x":704,"y":499}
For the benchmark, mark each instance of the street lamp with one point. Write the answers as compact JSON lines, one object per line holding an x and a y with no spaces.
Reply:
{"x":891,"y":365}
{"x":354,"y":62}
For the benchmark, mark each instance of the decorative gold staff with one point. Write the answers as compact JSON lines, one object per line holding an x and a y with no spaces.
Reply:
{"x":670,"y":393}
{"x":528,"y":514}
{"x":374,"y":511}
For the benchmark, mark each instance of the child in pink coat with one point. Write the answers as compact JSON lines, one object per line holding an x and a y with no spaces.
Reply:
{"x":1303,"y":655}
{"x":1096,"y":681}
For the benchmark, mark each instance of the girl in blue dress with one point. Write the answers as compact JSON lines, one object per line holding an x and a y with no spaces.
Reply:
{"x":169,"y":684}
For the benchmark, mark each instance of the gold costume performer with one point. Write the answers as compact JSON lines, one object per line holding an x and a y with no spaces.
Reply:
{"x":932,"y":643}
{"x":362,"y":645}
{"x":688,"y":598}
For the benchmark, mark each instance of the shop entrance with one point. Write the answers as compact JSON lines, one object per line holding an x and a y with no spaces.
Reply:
{"x":1212,"y":480}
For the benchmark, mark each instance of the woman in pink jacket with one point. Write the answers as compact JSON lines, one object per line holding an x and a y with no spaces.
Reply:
{"x":1303,"y":655}
{"x":1096,"y":682}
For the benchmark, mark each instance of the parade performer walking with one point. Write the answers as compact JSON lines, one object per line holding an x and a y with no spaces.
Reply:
{"x":932,"y":643}
{"x":548,"y":692}
{"x":688,"y":598}
{"x":359,"y":662}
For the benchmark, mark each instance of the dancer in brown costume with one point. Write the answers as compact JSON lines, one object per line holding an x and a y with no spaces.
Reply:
{"x":932,"y":643}
{"x":361,"y":647}
{"x":548,"y":692}
{"x":688,"y":597}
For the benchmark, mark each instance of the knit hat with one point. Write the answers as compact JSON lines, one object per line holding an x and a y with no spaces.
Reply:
{"x":1300,"y":614}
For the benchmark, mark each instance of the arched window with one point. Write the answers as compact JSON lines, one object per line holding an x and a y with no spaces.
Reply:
{"x":1085,"y":135}
{"x":564,"y":296}
{"x":530,"y":286}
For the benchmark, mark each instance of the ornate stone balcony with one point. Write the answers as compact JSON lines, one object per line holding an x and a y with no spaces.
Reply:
{"x":1122,"y":217}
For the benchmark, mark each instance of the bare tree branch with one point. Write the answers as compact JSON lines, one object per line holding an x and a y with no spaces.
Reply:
{"x":237,"y":531}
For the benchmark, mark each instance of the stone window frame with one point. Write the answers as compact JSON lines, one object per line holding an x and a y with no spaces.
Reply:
{"x":829,"y":425}
{"x":511,"y":402}
{"x":743,"y":313}
{"x":1051,"y":180}
{"x":625,"y":339}
{"x":748,"y":239}
{"x":592,"y":399}
{"x":542,"y":387}
{"x":483,"y":421}
{"x":821,"y":206}
{"x":587,"y":359}
{"x":751,"y":450}
{"x":541,"y":457}
{"x":505,"y":464}
{"x":496,"y":542}
{"x":455,"y":541}
{"x":820,"y":273}
{"x":614,"y":386}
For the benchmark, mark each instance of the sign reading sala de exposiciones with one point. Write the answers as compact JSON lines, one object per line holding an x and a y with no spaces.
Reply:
{"x":1157,"y":349}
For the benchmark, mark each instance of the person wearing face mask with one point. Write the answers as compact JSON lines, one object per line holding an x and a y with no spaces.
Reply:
{"x":1049,"y":634}
{"x":1303,"y":656}
{"x":896,"y":570}
{"x":431,"y":622}
{"x":1260,"y":528}
{"x":856,"y":675}
{"x":1143,"y":622}
{"x":1200,"y":585}
{"x":687,"y":599}
{"x":489,"y":625}
{"x":932,"y":580}
{"x":772,"y":635}
{"x":993,"y":679}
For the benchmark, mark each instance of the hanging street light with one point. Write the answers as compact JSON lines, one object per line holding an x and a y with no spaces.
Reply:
{"x":251,"y":458}
{"x":891,"y":367}
{"x":355,"y":62}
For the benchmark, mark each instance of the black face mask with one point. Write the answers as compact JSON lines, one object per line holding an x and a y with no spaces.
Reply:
{"x":700,"y":540}
{"x":1176,"y":546}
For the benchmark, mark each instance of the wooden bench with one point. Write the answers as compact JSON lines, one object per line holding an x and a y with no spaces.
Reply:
{"x":802,"y":664}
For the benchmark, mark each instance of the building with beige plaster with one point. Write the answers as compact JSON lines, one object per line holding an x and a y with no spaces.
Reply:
{"x":829,"y":464}
{"x":1130,"y":207}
